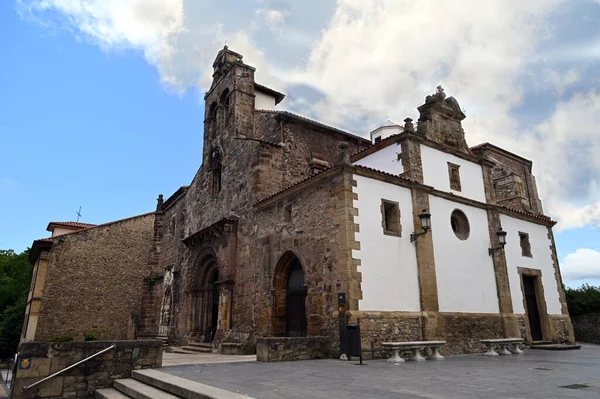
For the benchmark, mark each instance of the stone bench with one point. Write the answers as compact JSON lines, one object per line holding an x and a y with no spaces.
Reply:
{"x":513,"y":343}
{"x":416,"y":348}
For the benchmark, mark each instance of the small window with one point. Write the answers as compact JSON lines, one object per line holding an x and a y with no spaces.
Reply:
{"x":525,"y":245}
{"x":172,"y":226}
{"x":287,"y":213}
{"x":460,"y":224}
{"x":377,"y":139}
{"x":454,"y":175}
{"x":391,"y":218}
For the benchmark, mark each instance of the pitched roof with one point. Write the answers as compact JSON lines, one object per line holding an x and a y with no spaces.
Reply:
{"x":77,"y":225}
{"x":486,"y":145}
{"x":267,"y":90}
{"x":299,"y":182}
{"x":532,"y":215}
{"x":314,"y":123}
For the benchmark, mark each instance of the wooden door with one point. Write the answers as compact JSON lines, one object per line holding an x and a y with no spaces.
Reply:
{"x":533,"y":313}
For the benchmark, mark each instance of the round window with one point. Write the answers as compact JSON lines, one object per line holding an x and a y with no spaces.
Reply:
{"x":460,"y":224}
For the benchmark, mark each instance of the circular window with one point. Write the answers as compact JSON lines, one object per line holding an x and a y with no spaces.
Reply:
{"x":460,"y":224}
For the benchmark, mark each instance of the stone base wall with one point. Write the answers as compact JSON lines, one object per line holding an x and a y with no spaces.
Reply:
{"x":38,"y":360}
{"x":277,"y":349}
{"x":586,"y":327}
{"x":461,"y":331}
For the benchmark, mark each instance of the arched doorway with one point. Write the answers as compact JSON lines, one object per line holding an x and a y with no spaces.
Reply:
{"x":289,"y":298}
{"x":204,"y":312}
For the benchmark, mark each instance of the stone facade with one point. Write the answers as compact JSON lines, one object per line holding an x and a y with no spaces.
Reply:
{"x":79,"y":276}
{"x":39,"y":360}
{"x":278,"y":349}
{"x":261,"y":242}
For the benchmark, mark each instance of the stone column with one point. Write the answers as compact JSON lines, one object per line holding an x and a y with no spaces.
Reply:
{"x":432,"y":322}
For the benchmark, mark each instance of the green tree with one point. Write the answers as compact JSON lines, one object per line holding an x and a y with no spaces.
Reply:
{"x":15,"y":276}
{"x":585,"y":299}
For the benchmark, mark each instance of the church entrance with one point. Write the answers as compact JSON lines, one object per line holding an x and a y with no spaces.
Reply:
{"x":295,"y":303}
{"x":204,"y":314}
{"x":532,"y":309}
{"x":289,"y":298}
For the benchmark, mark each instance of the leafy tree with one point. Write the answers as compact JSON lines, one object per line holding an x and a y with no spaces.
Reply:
{"x":585,"y":299}
{"x":15,"y":276}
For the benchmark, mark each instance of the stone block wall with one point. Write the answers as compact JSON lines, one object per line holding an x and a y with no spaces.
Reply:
{"x":98,"y":272}
{"x":277,"y":349}
{"x":587,"y":327}
{"x":38,"y":360}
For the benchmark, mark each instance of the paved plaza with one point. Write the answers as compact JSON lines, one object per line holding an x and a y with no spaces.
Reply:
{"x":535,"y":374}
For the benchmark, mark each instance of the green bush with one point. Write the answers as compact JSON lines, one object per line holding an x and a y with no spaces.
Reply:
{"x":89,"y":337}
{"x":62,"y":338}
{"x":585,"y":299}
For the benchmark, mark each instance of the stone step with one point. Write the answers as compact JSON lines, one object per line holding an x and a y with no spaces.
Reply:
{"x":109,"y":393}
{"x":181,"y":387}
{"x":556,"y":347}
{"x":138,"y":390}
{"x":197,"y":349}
{"x":199,"y":344}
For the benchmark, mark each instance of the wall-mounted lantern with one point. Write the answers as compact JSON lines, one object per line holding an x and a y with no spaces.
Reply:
{"x":425,"y":219}
{"x":501,"y":238}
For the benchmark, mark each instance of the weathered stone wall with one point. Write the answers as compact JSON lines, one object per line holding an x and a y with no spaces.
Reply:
{"x":514,"y":184}
{"x":98,"y":272}
{"x":278,"y":349}
{"x":587,"y":327}
{"x":39,"y":360}
{"x":318,"y":216}
{"x":379,"y":327}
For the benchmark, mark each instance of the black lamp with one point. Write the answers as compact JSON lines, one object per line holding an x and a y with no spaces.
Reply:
{"x":425,"y":219}
{"x":501,"y":239}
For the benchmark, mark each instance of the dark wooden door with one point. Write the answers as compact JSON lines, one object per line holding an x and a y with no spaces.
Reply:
{"x":295,"y":315}
{"x":533,"y":314}
{"x":295,"y":303}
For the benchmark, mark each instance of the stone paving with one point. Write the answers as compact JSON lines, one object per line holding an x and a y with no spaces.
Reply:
{"x":535,"y":374}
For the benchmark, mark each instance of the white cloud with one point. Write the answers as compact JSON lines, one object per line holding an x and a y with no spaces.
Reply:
{"x":374,"y":59}
{"x":275,"y":19}
{"x":583,"y":264}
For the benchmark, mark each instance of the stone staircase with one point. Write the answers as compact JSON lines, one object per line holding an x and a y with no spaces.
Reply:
{"x":154,"y":384}
{"x":200,"y":347}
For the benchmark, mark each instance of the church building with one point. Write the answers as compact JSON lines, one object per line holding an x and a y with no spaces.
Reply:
{"x":426,"y":237}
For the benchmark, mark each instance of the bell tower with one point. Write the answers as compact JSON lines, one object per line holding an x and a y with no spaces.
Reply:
{"x":229,"y":103}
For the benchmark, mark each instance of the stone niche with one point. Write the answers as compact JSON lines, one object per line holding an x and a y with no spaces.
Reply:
{"x":278,"y":349}
{"x":38,"y":360}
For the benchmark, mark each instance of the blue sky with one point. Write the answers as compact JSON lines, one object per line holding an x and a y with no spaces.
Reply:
{"x":101,"y":101}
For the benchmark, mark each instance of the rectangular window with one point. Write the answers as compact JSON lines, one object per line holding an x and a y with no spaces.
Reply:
{"x":525,"y":245}
{"x":287,"y":213}
{"x":390,"y":211}
{"x":377,"y":139}
{"x":454,"y":175}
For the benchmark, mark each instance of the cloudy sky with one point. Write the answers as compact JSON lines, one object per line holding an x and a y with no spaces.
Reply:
{"x":100,"y":100}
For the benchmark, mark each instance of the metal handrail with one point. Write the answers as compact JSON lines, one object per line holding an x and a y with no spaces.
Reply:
{"x":26,"y":387}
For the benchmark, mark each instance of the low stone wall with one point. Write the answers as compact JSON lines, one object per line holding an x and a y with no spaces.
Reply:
{"x":586,"y":327}
{"x":277,"y":349}
{"x":41,"y":359}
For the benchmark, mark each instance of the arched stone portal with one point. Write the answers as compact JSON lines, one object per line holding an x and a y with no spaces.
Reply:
{"x":204,"y":312}
{"x":289,"y":298}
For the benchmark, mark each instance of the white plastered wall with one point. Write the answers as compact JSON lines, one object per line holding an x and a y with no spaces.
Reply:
{"x":465,"y":272}
{"x":388,"y":263}
{"x":435,"y":173}
{"x":263,"y":101}
{"x":541,"y":259}
{"x":385,"y":160}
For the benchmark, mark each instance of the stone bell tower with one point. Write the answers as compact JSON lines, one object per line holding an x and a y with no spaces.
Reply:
{"x":229,"y":103}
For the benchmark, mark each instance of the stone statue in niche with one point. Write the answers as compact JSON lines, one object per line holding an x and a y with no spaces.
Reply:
{"x":454,"y":174}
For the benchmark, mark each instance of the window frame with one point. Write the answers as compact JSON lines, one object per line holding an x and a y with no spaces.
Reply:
{"x":396,"y":206}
